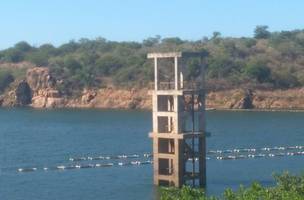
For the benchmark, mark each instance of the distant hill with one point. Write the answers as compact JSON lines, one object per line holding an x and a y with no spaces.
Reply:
{"x":269,"y":60}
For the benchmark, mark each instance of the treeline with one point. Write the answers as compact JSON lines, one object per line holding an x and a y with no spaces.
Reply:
{"x":267,"y":60}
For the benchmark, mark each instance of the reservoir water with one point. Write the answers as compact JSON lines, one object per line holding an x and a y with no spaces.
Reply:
{"x":44,"y":138}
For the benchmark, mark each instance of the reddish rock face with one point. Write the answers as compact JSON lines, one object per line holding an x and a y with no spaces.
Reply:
{"x":259,"y":99}
{"x":39,"y":78}
{"x":45,"y":95}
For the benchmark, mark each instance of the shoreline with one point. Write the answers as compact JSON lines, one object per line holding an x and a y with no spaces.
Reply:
{"x":255,"y":110}
{"x":146,"y":110}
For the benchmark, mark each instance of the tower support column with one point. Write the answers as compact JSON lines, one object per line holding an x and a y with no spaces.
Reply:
{"x":179,"y":144}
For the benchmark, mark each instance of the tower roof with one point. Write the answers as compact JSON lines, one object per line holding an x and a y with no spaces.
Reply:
{"x":176,"y":54}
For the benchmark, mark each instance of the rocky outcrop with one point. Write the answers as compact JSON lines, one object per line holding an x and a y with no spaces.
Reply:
{"x":229,"y":99}
{"x":39,"y":78}
{"x":279,"y":99}
{"x":259,"y":99}
{"x":38,"y":90}
{"x":88,"y":96}
{"x":48,"y":98}
{"x":245,"y":102}
{"x":19,"y":95}
{"x":113,"y":98}
{"x":8,"y":99}
{"x":236,"y":99}
{"x":42,"y":84}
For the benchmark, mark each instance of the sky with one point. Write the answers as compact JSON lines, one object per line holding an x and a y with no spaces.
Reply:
{"x":59,"y":21}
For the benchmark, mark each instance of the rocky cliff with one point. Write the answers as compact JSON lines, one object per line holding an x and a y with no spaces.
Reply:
{"x":39,"y":90}
{"x":292,"y":99}
{"x":113,"y":98}
{"x":45,"y":95}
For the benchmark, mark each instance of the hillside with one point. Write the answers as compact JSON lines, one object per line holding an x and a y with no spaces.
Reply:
{"x":268,"y":62}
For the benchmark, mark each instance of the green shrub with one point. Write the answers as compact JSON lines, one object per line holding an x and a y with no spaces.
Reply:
{"x":6,"y":79}
{"x":285,"y":79}
{"x":185,"y":193}
{"x":261,"y":32}
{"x":258,"y":70}
{"x":288,"y":187}
{"x":23,"y":46}
{"x":107,"y":65}
{"x":13,"y":55}
{"x":38,"y":58}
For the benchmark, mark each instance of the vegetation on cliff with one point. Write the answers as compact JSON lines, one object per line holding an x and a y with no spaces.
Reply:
{"x":6,"y":79}
{"x":287,"y":187}
{"x":268,"y":60}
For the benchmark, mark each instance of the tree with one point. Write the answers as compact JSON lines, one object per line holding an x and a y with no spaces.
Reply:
{"x":249,"y":42}
{"x":38,"y":58}
{"x":216,"y":34}
{"x":23,"y":46}
{"x":261,"y":32}
{"x":285,"y":79}
{"x":49,"y":49}
{"x":193,"y":70}
{"x":69,"y":47}
{"x":6,"y":79}
{"x":258,"y":70}
{"x":173,"y":41}
{"x":83,"y":78}
{"x":216,"y":37}
{"x":13,"y":55}
{"x":108,"y":64}
{"x":71,"y":64}
{"x":151,"y":41}
{"x":88,"y":58}
{"x":220,"y":66}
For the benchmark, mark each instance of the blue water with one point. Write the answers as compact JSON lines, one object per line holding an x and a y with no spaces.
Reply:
{"x":40,"y":138}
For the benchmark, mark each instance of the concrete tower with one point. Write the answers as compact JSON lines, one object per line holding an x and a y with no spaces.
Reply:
{"x":178,"y":96}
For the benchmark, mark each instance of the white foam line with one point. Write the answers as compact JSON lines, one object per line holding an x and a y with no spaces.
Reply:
{"x":123,"y":156}
{"x":248,"y":150}
{"x":250,"y":156}
{"x":138,"y":162}
{"x":86,"y":166}
{"x":210,"y":152}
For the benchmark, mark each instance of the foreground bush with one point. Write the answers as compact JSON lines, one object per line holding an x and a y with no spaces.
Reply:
{"x":288,"y":187}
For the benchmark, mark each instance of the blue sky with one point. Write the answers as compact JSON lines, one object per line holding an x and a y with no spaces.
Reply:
{"x":58,"y":21}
